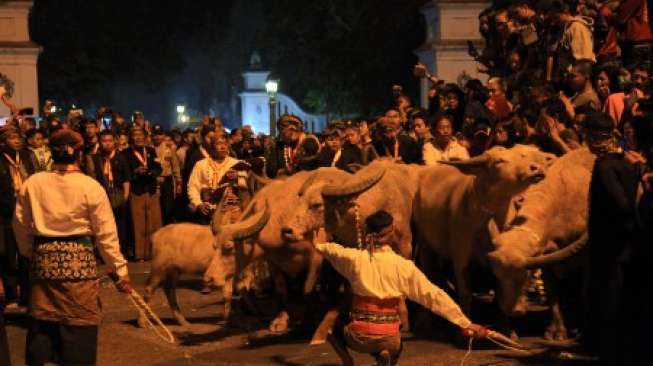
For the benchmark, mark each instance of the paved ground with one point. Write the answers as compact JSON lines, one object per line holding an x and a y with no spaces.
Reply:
{"x":207,"y":342}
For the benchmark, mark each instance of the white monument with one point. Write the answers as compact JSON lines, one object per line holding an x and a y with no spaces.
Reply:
{"x":449,"y":25}
{"x":18,"y":54}
{"x":255,"y":103}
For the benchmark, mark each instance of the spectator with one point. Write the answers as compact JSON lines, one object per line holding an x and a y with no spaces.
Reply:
{"x":40,"y":155}
{"x":139,"y":121}
{"x":336,"y":154}
{"x":443,"y":146}
{"x":391,"y":143}
{"x":553,"y":120}
{"x":169,"y":181}
{"x":144,"y":199}
{"x":118,"y":124}
{"x":580,"y":82}
{"x":188,"y":136}
{"x":606,"y":82}
{"x":123,"y":141}
{"x":498,"y":104}
{"x":15,"y":168}
{"x":112,"y":172}
{"x":293,"y":150}
{"x":455,"y":107}
{"x":206,"y":177}
{"x":612,"y":228}
{"x":577,"y":41}
{"x":357,"y":134}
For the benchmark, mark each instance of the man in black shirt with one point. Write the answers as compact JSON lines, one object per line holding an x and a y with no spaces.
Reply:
{"x":112,"y":171}
{"x":336,"y":154}
{"x":293,"y":150}
{"x":613,"y":230}
{"x":391,"y":143}
{"x":15,"y":168}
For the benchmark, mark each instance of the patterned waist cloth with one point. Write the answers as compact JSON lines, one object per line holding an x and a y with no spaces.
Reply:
{"x":64,"y":258}
{"x":375,"y":316}
{"x":64,"y":281}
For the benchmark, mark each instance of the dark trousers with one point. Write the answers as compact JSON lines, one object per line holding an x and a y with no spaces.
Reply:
{"x":121,"y":216}
{"x":67,"y":345}
{"x":167,"y":201}
{"x":14,"y":268}
{"x":4,"y":345}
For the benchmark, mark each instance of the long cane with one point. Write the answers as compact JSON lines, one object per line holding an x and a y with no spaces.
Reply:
{"x":146,"y":312}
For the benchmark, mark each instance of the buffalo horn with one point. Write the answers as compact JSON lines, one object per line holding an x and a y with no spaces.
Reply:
{"x":307,"y":183}
{"x":252,"y":225}
{"x":261,"y":180}
{"x":475,"y":161}
{"x":558,"y":255}
{"x":493,"y":229}
{"x":356,"y":184}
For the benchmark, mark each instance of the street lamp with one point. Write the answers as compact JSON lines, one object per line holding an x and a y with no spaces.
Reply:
{"x":271,"y":87}
{"x":180,"y":112}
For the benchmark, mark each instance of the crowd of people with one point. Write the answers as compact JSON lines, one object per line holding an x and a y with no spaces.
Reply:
{"x":561,"y":75}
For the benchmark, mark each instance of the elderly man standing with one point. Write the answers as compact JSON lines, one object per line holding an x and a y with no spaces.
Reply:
{"x":206,"y":178}
{"x":61,"y":217}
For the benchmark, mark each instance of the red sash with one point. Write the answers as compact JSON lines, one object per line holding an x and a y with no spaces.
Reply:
{"x":371,"y":306}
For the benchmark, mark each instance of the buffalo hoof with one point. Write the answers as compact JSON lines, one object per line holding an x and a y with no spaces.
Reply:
{"x":280,"y":323}
{"x":555,"y":333}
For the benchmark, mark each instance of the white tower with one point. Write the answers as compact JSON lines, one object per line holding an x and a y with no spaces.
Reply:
{"x":18,"y":54}
{"x":449,"y":25}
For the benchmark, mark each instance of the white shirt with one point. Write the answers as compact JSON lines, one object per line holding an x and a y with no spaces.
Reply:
{"x":385,"y":274}
{"x":454,"y":151}
{"x":54,"y":204}
{"x":207,"y":174}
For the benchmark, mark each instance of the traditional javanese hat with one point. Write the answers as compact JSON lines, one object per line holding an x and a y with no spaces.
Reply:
{"x":289,"y":120}
{"x":66,"y":137}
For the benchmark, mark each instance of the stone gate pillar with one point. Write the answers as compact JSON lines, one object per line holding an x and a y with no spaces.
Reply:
{"x":449,"y":25}
{"x":18,"y":54}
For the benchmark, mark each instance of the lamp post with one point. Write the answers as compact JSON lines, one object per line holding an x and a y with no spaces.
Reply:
{"x":180,"y":113}
{"x":271,"y":87}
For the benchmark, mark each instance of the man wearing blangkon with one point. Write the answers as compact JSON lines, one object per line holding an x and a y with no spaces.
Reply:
{"x":379,"y":277}
{"x":57,"y":215}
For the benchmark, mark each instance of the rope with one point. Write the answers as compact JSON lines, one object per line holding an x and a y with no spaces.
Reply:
{"x":149,"y":316}
{"x":509,"y":348}
{"x":469,"y":351}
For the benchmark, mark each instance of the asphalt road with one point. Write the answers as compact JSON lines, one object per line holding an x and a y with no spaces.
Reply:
{"x":208,"y":341}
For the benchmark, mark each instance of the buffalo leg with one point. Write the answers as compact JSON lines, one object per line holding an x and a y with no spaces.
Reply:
{"x":170,"y":288}
{"x":463,"y":289}
{"x":280,"y":322}
{"x":556,"y":330}
{"x":153,"y":282}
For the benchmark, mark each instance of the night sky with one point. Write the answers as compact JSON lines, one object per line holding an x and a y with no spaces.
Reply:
{"x":335,"y":56}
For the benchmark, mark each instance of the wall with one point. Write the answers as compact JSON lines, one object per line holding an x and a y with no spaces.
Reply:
{"x":449,"y":25}
{"x":18,"y":54}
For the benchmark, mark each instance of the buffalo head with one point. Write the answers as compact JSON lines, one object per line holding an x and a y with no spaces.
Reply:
{"x":308,"y":213}
{"x":506,"y":172}
{"x":221,"y":267}
{"x":511,"y":263}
